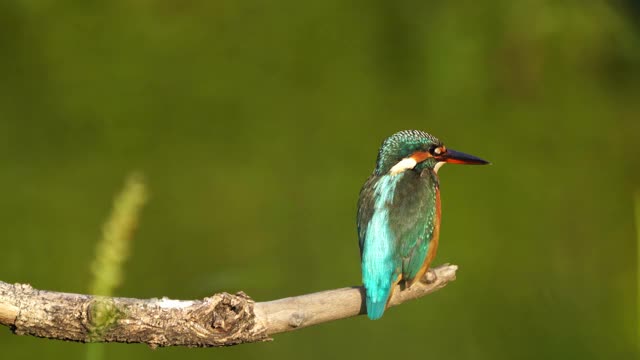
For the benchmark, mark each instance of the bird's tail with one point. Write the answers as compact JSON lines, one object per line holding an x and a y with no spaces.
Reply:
{"x":375,"y":309}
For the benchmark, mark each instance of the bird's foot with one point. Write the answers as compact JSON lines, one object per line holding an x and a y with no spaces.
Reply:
{"x":430,"y":277}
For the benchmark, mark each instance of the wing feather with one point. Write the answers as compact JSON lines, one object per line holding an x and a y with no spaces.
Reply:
{"x":414,"y":218}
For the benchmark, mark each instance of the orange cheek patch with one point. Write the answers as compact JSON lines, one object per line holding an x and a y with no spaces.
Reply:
{"x":420,"y":156}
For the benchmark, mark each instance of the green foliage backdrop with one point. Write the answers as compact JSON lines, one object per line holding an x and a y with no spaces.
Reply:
{"x":256,"y":123}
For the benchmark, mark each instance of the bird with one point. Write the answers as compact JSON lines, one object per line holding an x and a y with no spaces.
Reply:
{"x":399,"y":214}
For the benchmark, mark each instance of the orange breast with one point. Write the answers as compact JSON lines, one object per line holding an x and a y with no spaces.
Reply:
{"x":433,"y":245}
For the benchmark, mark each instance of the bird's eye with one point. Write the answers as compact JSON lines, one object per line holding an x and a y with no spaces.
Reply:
{"x":438,"y":150}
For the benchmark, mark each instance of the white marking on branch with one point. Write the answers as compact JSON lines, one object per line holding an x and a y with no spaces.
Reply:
{"x":167,"y":303}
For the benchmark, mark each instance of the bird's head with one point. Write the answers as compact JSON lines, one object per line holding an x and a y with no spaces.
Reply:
{"x":415,"y":149}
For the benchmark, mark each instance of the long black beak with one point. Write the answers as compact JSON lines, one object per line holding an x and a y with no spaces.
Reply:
{"x":457,"y":157}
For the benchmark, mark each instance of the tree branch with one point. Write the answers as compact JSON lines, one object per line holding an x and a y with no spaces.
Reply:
{"x":219,"y":320}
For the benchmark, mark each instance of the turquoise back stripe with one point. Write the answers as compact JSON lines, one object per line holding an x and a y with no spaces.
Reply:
{"x":379,"y":255}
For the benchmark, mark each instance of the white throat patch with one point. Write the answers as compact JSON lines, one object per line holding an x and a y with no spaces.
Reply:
{"x":402,"y":165}
{"x":438,"y":166}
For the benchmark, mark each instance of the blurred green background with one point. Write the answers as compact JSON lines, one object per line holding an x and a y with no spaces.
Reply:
{"x":256,"y":123}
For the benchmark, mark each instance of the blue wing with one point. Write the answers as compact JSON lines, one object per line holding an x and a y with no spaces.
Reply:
{"x":414,"y":218}
{"x":381,"y":264}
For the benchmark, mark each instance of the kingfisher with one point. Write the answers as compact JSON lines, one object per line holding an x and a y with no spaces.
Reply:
{"x":399,"y":213}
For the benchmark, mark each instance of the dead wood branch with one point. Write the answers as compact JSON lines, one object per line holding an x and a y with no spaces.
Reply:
{"x":220,"y":320}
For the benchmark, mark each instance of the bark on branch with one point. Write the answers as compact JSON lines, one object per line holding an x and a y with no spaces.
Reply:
{"x":220,"y":320}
